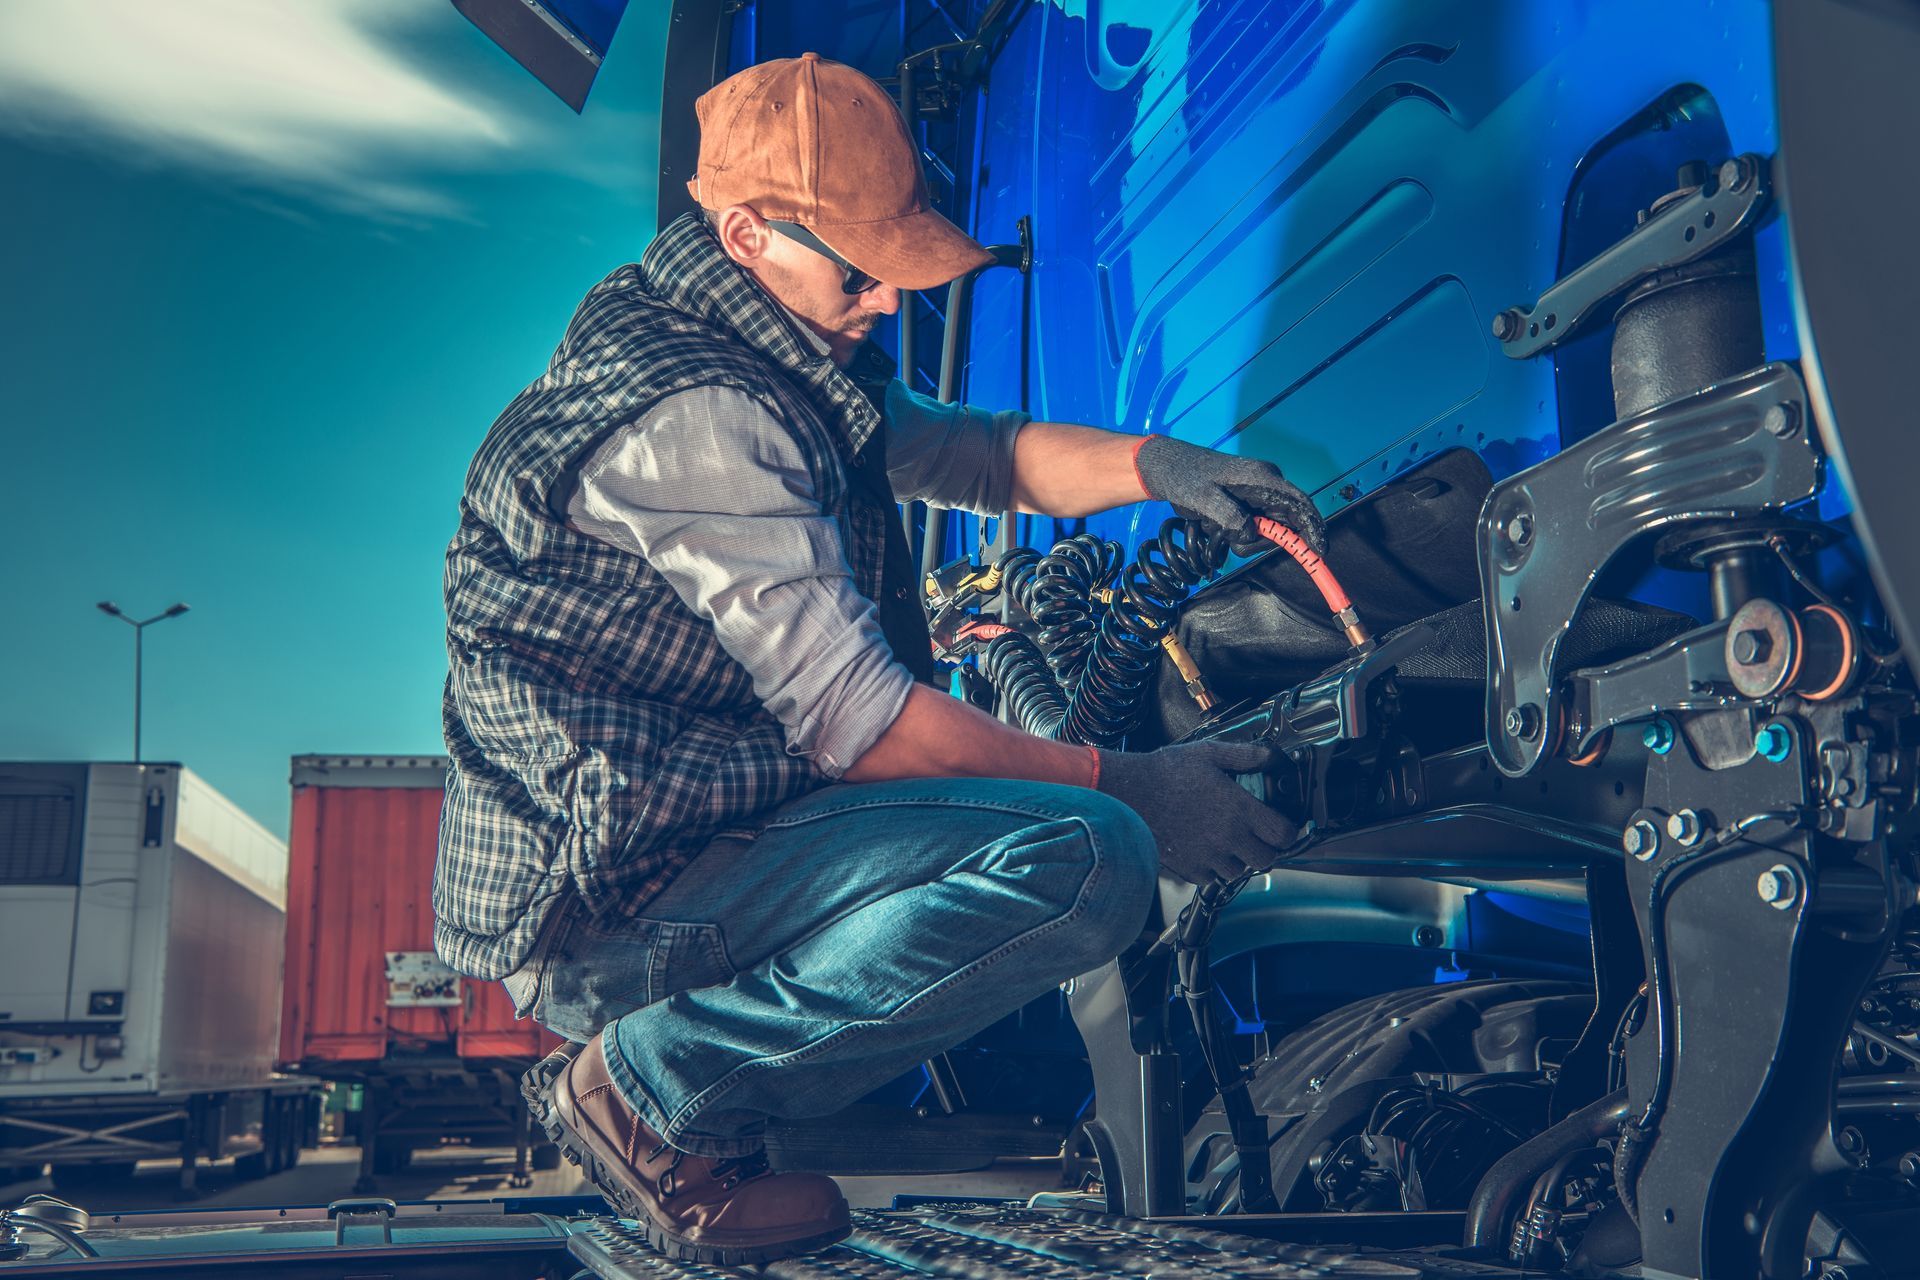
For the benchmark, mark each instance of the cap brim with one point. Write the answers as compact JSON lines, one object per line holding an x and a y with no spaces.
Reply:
{"x":918,"y":251}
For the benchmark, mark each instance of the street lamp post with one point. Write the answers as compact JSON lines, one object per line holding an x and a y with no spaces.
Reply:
{"x":112,"y":610}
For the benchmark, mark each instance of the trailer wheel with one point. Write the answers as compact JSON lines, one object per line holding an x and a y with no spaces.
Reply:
{"x":293,"y":1131}
{"x":392,"y":1156}
{"x":78,"y":1177}
{"x":270,"y":1158}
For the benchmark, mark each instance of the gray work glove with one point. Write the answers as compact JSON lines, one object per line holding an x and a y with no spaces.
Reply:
{"x":1208,"y":827}
{"x":1226,"y":492}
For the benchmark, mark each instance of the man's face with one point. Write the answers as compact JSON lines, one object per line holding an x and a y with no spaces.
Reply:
{"x":806,"y":283}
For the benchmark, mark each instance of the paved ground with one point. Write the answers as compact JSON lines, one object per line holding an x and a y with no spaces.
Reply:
{"x":467,"y":1173}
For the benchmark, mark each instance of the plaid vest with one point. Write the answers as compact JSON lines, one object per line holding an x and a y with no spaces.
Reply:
{"x":598,"y":733}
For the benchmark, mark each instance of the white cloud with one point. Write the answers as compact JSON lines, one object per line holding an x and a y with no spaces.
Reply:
{"x":310,"y":97}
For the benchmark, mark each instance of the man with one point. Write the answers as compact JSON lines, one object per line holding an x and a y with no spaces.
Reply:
{"x":701,"y":815}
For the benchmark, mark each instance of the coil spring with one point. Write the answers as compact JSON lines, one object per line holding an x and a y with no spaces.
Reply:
{"x":1117,"y":657}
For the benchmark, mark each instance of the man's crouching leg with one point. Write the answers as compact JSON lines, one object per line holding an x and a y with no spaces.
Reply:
{"x":867,"y":929}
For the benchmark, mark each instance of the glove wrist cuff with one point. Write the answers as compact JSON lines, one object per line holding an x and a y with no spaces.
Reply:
{"x":1139,"y":474}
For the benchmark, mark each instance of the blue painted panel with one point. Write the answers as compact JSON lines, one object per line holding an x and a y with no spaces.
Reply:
{"x":1282,"y":228}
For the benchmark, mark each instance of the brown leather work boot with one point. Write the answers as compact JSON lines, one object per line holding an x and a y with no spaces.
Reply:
{"x":726,"y":1212}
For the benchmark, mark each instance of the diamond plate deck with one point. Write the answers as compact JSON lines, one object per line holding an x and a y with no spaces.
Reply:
{"x":972,"y":1242}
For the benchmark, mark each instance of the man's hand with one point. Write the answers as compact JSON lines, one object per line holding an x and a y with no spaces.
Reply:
{"x":1225,"y":492}
{"x":1207,"y":826}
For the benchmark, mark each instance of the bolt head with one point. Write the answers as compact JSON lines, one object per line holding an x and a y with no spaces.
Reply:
{"x":1520,"y":529}
{"x":1778,"y":887}
{"x":1733,"y":174}
{"x":1658,"y":736}
{"x":1685,"y":826}
{"x":1505,"y":325}
{"x":1634,"y":840}
{"x":1752,"y":645}
{"x":1781,"y":419}
{"x":1774,"y":742}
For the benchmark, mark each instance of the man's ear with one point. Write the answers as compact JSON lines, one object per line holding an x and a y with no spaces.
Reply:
{"x":743,"y":233}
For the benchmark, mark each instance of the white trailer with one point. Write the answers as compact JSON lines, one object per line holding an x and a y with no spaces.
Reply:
{"x":142,"y":929}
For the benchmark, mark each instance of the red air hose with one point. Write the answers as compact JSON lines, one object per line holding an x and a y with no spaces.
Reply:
{"x":1329,"y":586}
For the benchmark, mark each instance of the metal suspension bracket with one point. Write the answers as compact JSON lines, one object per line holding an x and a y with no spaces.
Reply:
{"x":1767,"y":930}
{"x":1727,"y":203}
{"x":1732,"y":451}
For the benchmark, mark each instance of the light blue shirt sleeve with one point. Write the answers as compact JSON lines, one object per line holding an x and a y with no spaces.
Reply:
{"x":717,"y":496}
{"x":950,"y":455}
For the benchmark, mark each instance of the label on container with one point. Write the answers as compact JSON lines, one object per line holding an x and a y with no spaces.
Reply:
{"x":418,"y":979}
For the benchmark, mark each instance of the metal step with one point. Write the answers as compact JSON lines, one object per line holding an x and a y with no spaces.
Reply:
{"x":972,"y":1242}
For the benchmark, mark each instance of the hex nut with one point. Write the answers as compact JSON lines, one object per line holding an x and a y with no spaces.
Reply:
{"x":1523,"y":722}
{"x":1641,"y":839}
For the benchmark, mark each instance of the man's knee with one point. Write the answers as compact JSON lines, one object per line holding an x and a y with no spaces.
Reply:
{"x":1126,"y":873}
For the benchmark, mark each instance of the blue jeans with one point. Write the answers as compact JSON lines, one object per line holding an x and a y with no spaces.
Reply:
{"x":866,"y":929}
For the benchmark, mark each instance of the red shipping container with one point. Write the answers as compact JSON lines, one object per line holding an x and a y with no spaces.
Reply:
{"x":362,"y":982}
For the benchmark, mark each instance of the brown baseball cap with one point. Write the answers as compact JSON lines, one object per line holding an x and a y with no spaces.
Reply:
{"x":816,"y":142}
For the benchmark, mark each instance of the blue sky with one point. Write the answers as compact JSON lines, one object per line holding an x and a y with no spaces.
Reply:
{"x":268,"y":273}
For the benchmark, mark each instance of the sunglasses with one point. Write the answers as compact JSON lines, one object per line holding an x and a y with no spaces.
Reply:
{"x":855,"y":281}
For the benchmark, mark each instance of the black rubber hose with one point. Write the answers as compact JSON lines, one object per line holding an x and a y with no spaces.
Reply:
{"x":1057,"y":593}
{"x":1492,"y":1206}
{"x":1106,"y":703}
{"x":1100,"y":705}
{"x":1019,"y":671}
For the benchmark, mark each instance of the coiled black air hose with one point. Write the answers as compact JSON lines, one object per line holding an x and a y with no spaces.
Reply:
{"x":1101,"y":704}
{"x":1018,"y":670}
{"x":1058,"y":591}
